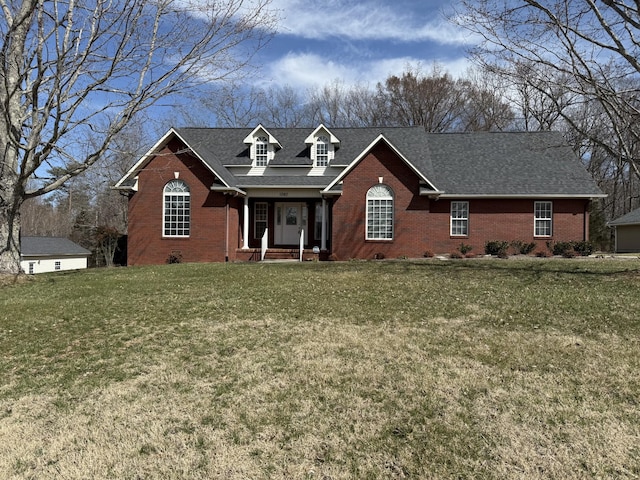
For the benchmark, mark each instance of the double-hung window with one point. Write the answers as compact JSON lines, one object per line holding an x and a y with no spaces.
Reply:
{"x":459,"y":219}
{"x":322,"y":151}
{"x":260,"y":219}
{"x":177,"y":209}
{"x":261,"y":152}
{"x":543,"y":219}
{"x":379,"y":213}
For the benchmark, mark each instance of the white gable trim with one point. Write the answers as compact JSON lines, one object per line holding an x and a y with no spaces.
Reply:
{"x":316,"y":133}
{"x":142,"y":162}
{"x":358,"y":159}
{"x":153,"y":151}
{"x":250,"y":139}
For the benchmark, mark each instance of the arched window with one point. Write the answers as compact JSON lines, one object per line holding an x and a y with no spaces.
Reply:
{"x":261,"y":151}
{"x":322,"y":151}
{"x":177,"y":209}
{"x":380,"y":213}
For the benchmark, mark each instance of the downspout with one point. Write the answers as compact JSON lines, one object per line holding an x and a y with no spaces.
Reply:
{"x":585,"y":222}
{"x":226,"y":239}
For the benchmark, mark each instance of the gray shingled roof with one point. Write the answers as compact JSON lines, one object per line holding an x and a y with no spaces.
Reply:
{"x":459,"y":164}
{"x":215,"y":146}
{"x":631,"y":218}
{"x":50,"y":246}
{"x":528,"y":164}
{"x":284,"y":181}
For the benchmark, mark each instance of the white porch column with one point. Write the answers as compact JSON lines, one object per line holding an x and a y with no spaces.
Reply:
{"x":323,"y":240}
{"x":245,"y":224}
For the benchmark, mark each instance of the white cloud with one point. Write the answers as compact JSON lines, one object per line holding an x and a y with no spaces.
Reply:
{"x":368,"y":20}
{"x":308,"y":70}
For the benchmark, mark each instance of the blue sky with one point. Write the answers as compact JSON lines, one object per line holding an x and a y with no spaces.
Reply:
{"x":358,"y":41}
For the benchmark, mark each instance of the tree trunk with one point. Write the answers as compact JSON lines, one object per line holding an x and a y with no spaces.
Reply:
{"x":9,"y":238}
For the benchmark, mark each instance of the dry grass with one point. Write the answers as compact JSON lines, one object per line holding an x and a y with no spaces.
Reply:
{"x":474,"y":369}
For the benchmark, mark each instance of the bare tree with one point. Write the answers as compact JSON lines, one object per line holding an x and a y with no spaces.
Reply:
{"x":433,"y":101}
{"x":586,"y":52}
{"x":486,"y":104}
{"x":73,"y":70}
{"x":339,"y":105}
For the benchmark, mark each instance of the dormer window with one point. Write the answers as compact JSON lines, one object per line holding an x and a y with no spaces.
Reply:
{"x":323,"y":145}
{"x":261,"y":148}
{"x":322,"y":151}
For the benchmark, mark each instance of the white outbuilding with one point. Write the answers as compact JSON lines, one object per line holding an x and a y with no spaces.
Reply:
{"x":627,"y":232}
{"x":51,"y":254}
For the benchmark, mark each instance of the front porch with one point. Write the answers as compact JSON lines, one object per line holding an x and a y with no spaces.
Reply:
{"x":284,"y":226}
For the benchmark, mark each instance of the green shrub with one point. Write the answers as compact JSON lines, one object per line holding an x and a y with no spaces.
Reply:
{"x":496,"y":247}
{"x":560,"y":248}
{"x":523,"y":248}
{"x":464,"y":248}
{"x":174,"y":257}
{"x":583,"y":248}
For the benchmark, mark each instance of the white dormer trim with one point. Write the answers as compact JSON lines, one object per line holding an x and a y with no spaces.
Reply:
{"x":313,"y":139}
{"x":261,"y":131}
{"x":252,"y":140}
{"x":320,"y":129}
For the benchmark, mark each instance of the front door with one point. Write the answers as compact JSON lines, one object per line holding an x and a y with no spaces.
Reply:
{"x":291,"y":219}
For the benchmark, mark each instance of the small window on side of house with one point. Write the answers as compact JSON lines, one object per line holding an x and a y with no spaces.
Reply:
{"x":459,"y":219}
{"x":543,"y":219}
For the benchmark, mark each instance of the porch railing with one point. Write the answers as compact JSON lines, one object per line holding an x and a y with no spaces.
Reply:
{"x":301,"y":243}
{"x":264,"y":243}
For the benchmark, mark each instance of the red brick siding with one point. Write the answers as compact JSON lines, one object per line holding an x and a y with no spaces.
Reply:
{"x":422,"y":224}
{"x":410,"y":210}
{"x":207,"y":241}
{"x":505,"y":219}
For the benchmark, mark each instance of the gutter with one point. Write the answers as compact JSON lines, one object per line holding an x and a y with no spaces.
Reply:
{"x":229,"y":190}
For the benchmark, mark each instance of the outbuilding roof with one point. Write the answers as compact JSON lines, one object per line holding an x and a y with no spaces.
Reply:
{"x":50,"y":246}
{"x":631,"y":218}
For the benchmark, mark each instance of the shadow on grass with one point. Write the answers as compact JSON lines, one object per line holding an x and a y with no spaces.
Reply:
{"x":536,"y":267}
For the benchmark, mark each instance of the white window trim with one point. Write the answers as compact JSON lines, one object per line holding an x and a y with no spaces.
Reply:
{"x":255,"y":218}
{"x":262,"y":141}
{"x":186,"y":193}
{"x":329,"y":150}
{"x":537,"y":219}
{"x":466,"y":219}
{"x":385,"y":198}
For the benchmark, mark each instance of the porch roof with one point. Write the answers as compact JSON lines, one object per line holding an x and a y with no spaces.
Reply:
{"x":317,"y":182}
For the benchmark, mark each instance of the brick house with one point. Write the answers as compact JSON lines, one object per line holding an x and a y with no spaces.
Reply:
{"x":227,"y":194}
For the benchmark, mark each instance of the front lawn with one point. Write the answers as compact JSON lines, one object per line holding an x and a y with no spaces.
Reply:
{"x":392,"y":369}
